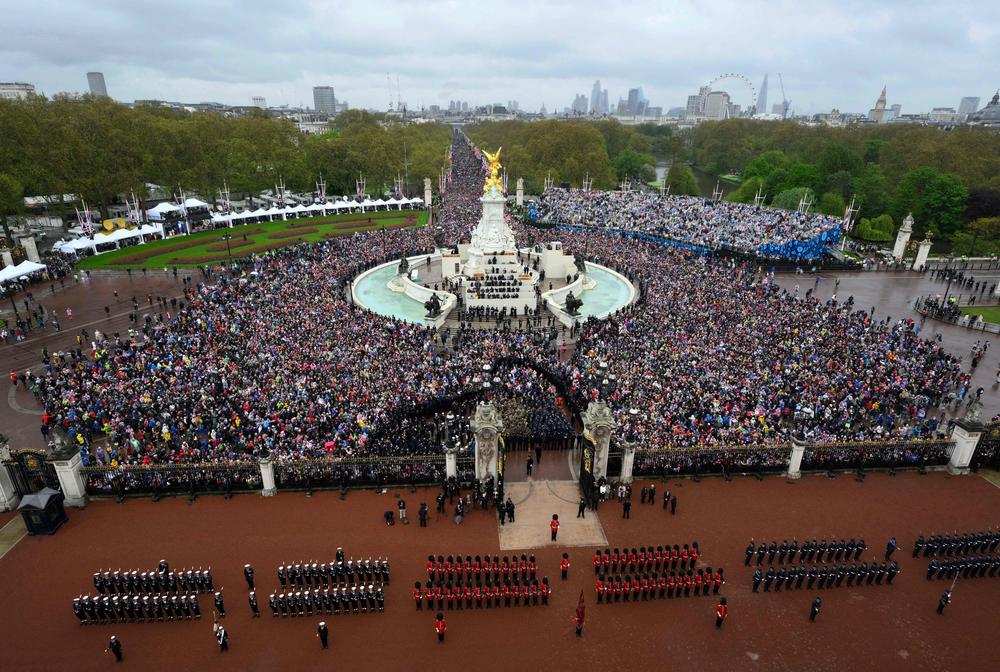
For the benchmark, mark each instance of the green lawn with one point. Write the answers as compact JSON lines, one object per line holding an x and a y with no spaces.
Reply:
{"x":989,"y":313}
{"x":194,"y":250}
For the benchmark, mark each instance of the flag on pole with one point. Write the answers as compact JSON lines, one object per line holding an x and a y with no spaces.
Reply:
{"x":580,"y":609}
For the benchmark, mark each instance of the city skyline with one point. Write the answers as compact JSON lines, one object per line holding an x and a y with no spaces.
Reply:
{"x":823,"y":53}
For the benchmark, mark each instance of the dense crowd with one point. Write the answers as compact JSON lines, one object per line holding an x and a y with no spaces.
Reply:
{"x":686,"y":219}
{"x":270,"y":356}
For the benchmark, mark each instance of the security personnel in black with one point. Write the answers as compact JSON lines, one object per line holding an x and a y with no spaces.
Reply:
{"x":220,"y":605}
{"x":248,"y":575}
{"x":768,"y":579}
{"x":757,"y":578}
{"x":749,"y":555}
{"x":323,"y":633}
{"x":253,"y":604}
{"x":918,"y":544}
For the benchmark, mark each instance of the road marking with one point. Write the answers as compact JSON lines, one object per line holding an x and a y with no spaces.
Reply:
{"x":16,"y":406}
{"x":8,"y":533}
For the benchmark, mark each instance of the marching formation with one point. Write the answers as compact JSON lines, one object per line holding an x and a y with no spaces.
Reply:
{"x":826,"y":576}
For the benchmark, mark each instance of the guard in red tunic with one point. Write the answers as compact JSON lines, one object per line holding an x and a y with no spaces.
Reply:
{"x":417,"y":595}
{"x":599,"y":589}
{"x":496,"y":595}
{"x":430,"y":567}
{"x":429,"y":595}
{"x":606,"y":561}
{"x":661,"y":584}
{"x":554,"y":525}
{"x":597,"y":562}
{"x":533,"y":591}
{"x":440,"y":627}
{"x":467,"y":594}
{"x":545,"y":590}
{"x":564,"y":565}
{"x":506,"y":593}
{"x":717,"y":581}
{"x":721,"y":611}
{"x":532,"y":567}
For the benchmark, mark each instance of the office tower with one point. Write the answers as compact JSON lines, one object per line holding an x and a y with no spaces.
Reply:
{"x":717,"y":105}
{"x":96,"y":82}
{"x":259,"y":101}
{"x":15,"y":90}
{"x":324,"y":100}
{"x":595,"y":98}
{"x":968,"y":105}
{"x":762,"y":97}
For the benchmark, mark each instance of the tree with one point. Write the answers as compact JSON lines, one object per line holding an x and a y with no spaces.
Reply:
{"x":681,"y":180}
{"x":11,"y":202}
{"x":790,"y":198}
{"x":746,"y":192}
{"x":629,"y":162}
{"x":832,"y":204}
{"x":879,"y":229}
{"x":837,"y":158}
{"x":870,"y":187}
{"x":840,"y":183}
{"x":764,"y":165}
{"x":873,"y":149}
{"x":937,"y":201}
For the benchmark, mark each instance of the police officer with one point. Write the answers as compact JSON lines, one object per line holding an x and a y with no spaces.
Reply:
{"x":323,"y":633}
{"x":248,"y":575}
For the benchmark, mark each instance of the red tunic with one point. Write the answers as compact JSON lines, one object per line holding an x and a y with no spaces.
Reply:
{"x":416,"y":595}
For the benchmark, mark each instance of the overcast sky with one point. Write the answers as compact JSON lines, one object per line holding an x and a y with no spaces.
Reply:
{"x":830,"y":54}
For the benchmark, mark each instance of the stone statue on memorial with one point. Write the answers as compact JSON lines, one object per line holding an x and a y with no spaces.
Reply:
{"x":573,"y":304}
{"x":581,"y":263}
{"x":404,"y":267}
{"x":433,"y":306}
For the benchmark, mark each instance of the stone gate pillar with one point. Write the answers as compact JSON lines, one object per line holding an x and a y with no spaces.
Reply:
{"x":922,"y":253}
{"x":428,"y":194}
{"x":268,"y":486}
{"x":795,"y":458}
{"x":451,"y":462}
{"x":9,"y":498}
{"x":598,"y":424}
{"x":71,"y":482}
{"x":966,"y":436}
{"x":902,"y":238}
{"x":628,"y":460}
{"x":487,"y":425}
{"x":520,"y":192}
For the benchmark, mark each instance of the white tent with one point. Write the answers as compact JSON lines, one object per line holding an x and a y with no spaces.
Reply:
{"x":379,"y":202}
{"x":74,"y":246}
{"x":162,"y":209}
{"x":352,"y":204}
{"x":367,"y":203}
{"x":416,"y":200}
{"x":19,"y":271}
{"x":194,"y":203}
{"x":316,"y":207}
{"x":392,"y":201}
{"x":260,"y":212}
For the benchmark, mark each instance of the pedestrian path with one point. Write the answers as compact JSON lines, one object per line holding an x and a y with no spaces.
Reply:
{"x":11,"y":533}
{"x":535,"y":502}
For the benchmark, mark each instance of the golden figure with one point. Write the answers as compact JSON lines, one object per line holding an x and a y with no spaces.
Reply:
{"x":494,"y":179}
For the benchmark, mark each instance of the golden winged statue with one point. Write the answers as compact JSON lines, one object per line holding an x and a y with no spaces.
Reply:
{"x":494,"y":178}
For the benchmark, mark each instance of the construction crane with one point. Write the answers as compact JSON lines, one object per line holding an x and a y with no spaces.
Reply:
{"x":785,"y":103}
{"x":388,"y":83}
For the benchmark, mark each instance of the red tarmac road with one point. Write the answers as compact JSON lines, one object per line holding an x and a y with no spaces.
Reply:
{"x":877,"y":627}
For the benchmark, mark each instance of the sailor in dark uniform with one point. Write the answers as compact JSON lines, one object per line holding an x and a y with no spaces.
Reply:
{"x":757,"y":578}
{"x":220,"y":605}
{"x":248,"y":575}
{"x":768,"y":579}
{"x":253,"y":604}
{"x":323,"y":633}
{"x":749,"y":554}
{"x":79,"y":611}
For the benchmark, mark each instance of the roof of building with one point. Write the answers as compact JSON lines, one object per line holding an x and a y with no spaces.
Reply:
{"x":990,"y":113}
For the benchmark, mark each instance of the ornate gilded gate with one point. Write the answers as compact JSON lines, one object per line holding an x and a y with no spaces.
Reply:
{"x":30,"y":471}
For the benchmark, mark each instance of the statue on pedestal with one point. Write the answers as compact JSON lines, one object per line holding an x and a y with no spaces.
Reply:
{"x":404,"y":267}
{"x":581,"y":263}
{"x":433,"y":306}
{"x":494,"y":179}
{"x":573,"y":304}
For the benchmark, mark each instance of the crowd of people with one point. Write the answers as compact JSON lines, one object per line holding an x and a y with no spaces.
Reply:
{"x":686,"y":219}
{"x":269,"y":356}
